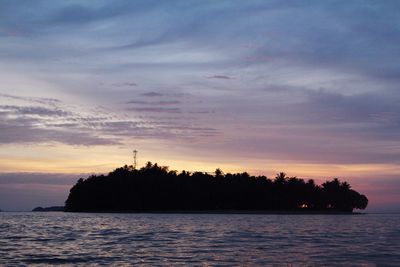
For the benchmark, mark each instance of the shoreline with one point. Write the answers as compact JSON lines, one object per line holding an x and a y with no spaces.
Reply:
{"x":255,"y":212}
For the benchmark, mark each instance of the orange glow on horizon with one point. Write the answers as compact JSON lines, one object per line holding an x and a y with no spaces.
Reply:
{"x":99,"y":159}
{"x":83,"y":161}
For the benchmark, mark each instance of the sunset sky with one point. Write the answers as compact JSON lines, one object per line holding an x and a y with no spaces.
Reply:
{"x":306,"y":87}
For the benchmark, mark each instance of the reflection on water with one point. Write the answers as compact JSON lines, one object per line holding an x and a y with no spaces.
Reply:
{"x":174,"y":239}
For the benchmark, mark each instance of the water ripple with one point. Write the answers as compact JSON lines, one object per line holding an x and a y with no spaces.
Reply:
{"x":198,"y":239}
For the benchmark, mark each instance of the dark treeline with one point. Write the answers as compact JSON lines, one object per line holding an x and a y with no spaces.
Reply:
{"x":155,"y":188}
{"x":53,"y":208}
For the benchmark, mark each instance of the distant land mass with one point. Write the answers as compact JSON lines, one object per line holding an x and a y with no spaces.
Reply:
{"x":154,"y":188}
{"x":53,"y":208}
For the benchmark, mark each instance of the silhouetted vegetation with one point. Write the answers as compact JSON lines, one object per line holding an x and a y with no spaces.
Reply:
{"x":53,"y":208}
{"x":155,"y":188}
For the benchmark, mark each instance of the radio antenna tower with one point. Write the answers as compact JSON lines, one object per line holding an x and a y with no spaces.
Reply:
{"x":134,"y":159}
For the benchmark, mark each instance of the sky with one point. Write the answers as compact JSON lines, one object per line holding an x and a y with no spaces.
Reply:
{"x":310,"y":88}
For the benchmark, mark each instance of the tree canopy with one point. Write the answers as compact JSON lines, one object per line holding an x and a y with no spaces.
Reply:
{"x":156,"y":188}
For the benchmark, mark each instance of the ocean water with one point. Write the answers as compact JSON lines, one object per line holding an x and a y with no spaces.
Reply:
{"x":199,"y":239}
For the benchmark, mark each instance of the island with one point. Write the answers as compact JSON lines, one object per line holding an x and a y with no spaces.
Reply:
{"x":53,"y":208}
{"x":155,"y":188}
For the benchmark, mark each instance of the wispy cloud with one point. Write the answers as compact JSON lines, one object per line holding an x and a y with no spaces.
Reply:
{"x":296,"y":81}
{"x":156,"y":109}
{"x":129,"y":84}
{"x":71,"y":125}
{"x":155,"y":103}
{"x":223,"y":77}
{"x":34,"y":110}
{"x":152,"y":94}
{"x":38,"y":178}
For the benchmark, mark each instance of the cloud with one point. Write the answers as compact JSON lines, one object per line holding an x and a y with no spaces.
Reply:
{"x":51,"y":122}
{"x":25,"y":191}
{"x":301,"y":105}
{"x":305,"y":81}
{"x":36,"y":100}
{"x":80,"y":14}
{"x":44,"y":14}
{"x":129,"y":84}
{"x":355,"y":38}
{"x":365,"y":117}
{"x":319,"y":34}
{"x":223,"y":77}
{"x":152,"y":94}
{"x":302,"y":124}
{"x":278,"y":52}
{"x":138,"y":102}
{"x":38,"y":178}
{"x":156,"y":110}
{"x":25,"y":131}
{"x":155,"y":103}
{"x":34,"y":110}
{"x":168,"y":94}
{"x":54,"y":121}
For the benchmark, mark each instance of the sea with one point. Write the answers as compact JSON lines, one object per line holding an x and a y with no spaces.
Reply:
{"x":93,"y":239}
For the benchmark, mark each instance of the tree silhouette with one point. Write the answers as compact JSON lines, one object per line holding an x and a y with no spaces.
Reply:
{"x":280,"y":178}
{"x":156,"y":188}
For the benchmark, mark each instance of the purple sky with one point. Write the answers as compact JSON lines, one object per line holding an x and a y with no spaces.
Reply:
{"x":305,"y":87}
